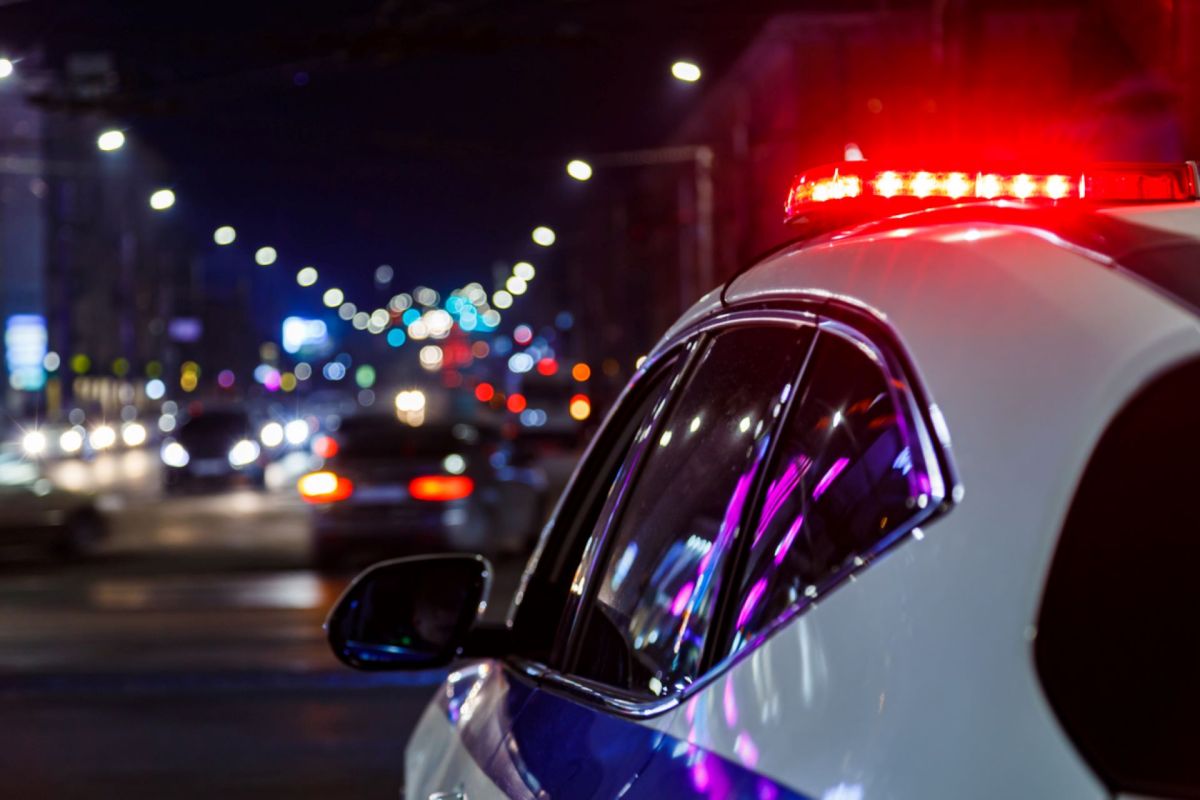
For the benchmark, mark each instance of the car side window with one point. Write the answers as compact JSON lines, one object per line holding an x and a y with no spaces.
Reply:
{"x":653,"y":592}
{"x":539,"y":621}
{"x":847,"y":479}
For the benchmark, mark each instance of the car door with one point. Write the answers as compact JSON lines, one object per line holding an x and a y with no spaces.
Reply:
{"x":455,"y":749}
{"x":852,"y":472}
{"x":645,"y":587}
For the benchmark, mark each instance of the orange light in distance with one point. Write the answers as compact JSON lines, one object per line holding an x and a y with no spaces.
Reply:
{"x":581,"y":372}
{"x":324,"y":487}
{"x":516,"y":403}
{"x":581,"y":407}
{"x":484,"y":392}
{"x":441,"y":488}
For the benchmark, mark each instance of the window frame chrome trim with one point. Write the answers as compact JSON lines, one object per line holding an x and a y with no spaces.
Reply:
{"x":840,"y":316}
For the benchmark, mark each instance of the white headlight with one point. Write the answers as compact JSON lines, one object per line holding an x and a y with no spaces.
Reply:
{"x":296,"y":431}
{"x":271,"y":434}
{"x":71,"y":441}
{"x":243,"y":453}
{"x":174,"y":455}
{"x":103,"y":437}
{"x":34,"y":443}
{"x":134,"y":434}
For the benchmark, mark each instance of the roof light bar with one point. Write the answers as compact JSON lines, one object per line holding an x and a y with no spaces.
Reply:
{"x":857,"y":183}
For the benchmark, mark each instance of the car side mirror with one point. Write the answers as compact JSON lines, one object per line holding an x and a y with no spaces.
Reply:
{"x":409,"y":613}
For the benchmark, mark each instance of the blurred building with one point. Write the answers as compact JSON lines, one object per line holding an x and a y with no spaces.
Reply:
{"x":22,"y":256}
{"x":1106,"y":80}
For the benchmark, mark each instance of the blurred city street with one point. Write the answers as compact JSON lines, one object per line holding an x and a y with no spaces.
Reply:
{"x":185,"y":656}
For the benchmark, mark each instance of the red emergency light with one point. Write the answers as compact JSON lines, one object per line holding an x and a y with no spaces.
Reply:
{"x":855,"y":184}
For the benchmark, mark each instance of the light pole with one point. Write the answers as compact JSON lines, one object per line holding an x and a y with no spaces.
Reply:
{"x":701,"y":157}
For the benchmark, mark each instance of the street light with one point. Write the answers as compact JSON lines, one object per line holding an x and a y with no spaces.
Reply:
{"x":307,"y":276}
{"x":685,"y":71}
{"x":6,"y":68}
{"x":162,"y":199}
{"x":265,"y":256}
{"x":543,"y":236}
{"x":111,"y":140}
{"x":224,"y":235}
{"x":579,"y":170}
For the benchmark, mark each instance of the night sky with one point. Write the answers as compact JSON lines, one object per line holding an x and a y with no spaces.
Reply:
{"x":429,"y":136}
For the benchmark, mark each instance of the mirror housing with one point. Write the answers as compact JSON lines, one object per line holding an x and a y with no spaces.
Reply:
{"x":409,"y":614}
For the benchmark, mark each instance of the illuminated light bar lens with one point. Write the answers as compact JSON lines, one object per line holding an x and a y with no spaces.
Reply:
{"x":324,"y":487}
{"x":441,"y":488}
{"x":1108,"y":183}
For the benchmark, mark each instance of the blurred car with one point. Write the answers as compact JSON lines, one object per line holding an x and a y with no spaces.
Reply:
{"x":214,"y":448}
{"x":766,"y":579}
{"x":388,"y":488}
{"x":37,"y":514}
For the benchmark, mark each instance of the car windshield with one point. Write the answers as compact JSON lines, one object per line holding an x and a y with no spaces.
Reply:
{"x":213,"y":426}
{"x":387,"y":438}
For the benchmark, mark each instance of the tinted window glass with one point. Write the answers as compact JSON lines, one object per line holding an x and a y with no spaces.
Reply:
{"x":655,"y":593}
{"x":844,"y":482}
{"x":546,"y":590}
{"x":387,"y":437}
{"x":214,"y":424}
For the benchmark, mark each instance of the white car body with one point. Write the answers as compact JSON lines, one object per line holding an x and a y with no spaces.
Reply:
{"x":917,"y":679}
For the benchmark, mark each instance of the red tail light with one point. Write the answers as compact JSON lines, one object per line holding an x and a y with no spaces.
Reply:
{"x":325,"y":446}
{"x":441,"y":488}
{"x":324,"y":487}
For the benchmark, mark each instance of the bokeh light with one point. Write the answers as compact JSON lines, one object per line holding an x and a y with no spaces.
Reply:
{"x":265,"y":256}
{"x":224,"y":235}
{"x":110,"y":140}
{"x":579,"y":169}
{"x":162,"y":199}
{"x":307,"y":276}
{"x":685,"y":71}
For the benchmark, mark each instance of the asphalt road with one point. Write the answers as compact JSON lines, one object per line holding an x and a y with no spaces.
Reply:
{"x":185,"y":657}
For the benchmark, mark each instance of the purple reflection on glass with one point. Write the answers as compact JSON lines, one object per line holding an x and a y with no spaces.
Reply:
{"x":830,"y":477}
{"x":785,"y":544}
{"x":779,"y":491}
{"x":730,"y":703}
{"x":767,"y":790}
{"x":681,"y":598}
{"x":752,"y":599}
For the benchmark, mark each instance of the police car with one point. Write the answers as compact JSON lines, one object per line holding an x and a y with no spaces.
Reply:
{"x":909,"y":509}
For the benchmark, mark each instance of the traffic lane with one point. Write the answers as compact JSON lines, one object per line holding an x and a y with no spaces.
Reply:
{"x":215,"y":582}
{"x":314,"y":741}
{"x":187,"y":659}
